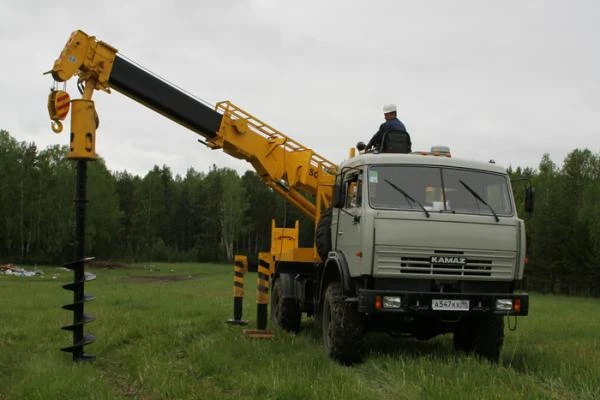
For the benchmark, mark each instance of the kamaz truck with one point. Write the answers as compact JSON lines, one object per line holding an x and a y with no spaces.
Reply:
{"x":417,"y":244}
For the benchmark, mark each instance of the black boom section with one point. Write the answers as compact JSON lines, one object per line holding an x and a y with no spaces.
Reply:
{"x":155,"y":93}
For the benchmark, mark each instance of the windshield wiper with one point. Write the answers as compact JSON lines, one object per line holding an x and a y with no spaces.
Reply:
{"x":478,"y":197}
{"x":407,"y":196}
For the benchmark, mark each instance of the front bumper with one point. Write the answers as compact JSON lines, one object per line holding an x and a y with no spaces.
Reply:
{"x":413,"y":303}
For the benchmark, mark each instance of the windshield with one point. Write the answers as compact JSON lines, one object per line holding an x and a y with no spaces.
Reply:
{"x":439,"y":190}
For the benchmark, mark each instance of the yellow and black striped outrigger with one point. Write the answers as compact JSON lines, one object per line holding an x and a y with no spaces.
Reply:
{"x":262,"y":294}
{"x":265,"y":267}
{"x":240,"y":267}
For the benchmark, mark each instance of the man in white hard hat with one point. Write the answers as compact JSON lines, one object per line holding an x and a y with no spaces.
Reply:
{"x":391,"y":124}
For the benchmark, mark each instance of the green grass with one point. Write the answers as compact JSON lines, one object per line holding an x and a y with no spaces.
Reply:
{"x":168,"y":340}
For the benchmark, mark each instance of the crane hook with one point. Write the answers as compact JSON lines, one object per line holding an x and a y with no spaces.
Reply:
{"x":58,"y":108}
{"x":56,"y":126}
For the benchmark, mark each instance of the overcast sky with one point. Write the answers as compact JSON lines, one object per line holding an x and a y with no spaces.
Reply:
{"x":502,"y":80}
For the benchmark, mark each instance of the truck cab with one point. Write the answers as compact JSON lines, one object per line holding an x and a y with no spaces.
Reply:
{"x":427,"y":244}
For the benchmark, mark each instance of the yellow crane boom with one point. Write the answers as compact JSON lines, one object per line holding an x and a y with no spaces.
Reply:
{"x":296,"y":172}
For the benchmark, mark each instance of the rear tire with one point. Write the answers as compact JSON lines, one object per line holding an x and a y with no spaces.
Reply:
{"x":285,"y":313}
{"x":342,"y":327}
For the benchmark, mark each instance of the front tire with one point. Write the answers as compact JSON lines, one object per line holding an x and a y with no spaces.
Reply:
{"x":342,"y":327}
{"x":489,"y":338}
{"x":464,"y":336}
{"x":483,"y":336}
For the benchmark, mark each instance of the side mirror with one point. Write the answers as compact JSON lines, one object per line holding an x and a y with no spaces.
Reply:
{"x":361,"y":146}
{"x":338,"y":193}
{"x":529,"y":199}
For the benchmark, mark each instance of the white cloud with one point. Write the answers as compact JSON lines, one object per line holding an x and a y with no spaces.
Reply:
{"x":493,"y":80}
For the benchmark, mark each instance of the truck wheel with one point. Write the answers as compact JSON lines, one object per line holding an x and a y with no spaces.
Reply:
{"x":342,"y":327}
{"x":464,"y":335}
{"x":285,"y":313}
{"x":323,"y":234}
{"x":489,"y":337}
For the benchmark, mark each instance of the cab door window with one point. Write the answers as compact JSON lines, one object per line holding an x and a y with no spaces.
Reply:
{"x":353,"y":190}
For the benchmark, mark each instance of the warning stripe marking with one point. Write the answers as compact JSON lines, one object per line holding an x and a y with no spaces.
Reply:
{"x":263,"y":277}
{"x":263,"y":284}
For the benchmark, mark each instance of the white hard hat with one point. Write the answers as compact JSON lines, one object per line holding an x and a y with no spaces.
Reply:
{"x":388,"y":108}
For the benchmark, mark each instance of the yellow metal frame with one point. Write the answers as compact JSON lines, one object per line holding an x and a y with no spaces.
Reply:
{"x":303,"y":177}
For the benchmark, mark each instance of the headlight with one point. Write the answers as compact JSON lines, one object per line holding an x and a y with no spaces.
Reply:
{"x":392,"y":302}
{"x":504,"y":304}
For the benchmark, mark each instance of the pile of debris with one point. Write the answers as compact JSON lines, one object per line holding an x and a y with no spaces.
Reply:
{"x":11,"y":269}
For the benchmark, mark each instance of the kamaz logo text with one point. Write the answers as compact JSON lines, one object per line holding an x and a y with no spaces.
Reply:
{"x":448,"y":260}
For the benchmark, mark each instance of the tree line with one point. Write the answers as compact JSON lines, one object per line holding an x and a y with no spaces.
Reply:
{"x":563,"y":233}
{"x":210,"y":216}
{"x":158,"y":217}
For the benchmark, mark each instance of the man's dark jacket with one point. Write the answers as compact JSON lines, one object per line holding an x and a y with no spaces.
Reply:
{"x":391,"y":125}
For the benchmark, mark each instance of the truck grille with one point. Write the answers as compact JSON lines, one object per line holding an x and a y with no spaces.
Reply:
{"x":478,"y":264}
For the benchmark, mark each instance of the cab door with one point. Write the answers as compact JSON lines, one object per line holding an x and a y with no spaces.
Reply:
{"x":349,"y":229}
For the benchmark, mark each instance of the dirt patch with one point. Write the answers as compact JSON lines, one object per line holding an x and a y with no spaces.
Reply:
{"x":165,"y":278}
{"x":105,"y":264}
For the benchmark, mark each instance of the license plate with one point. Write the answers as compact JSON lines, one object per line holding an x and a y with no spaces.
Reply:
{"x":450,"y":305}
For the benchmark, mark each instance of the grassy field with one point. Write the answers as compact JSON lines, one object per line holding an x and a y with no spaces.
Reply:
{"x":159,"y":337}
